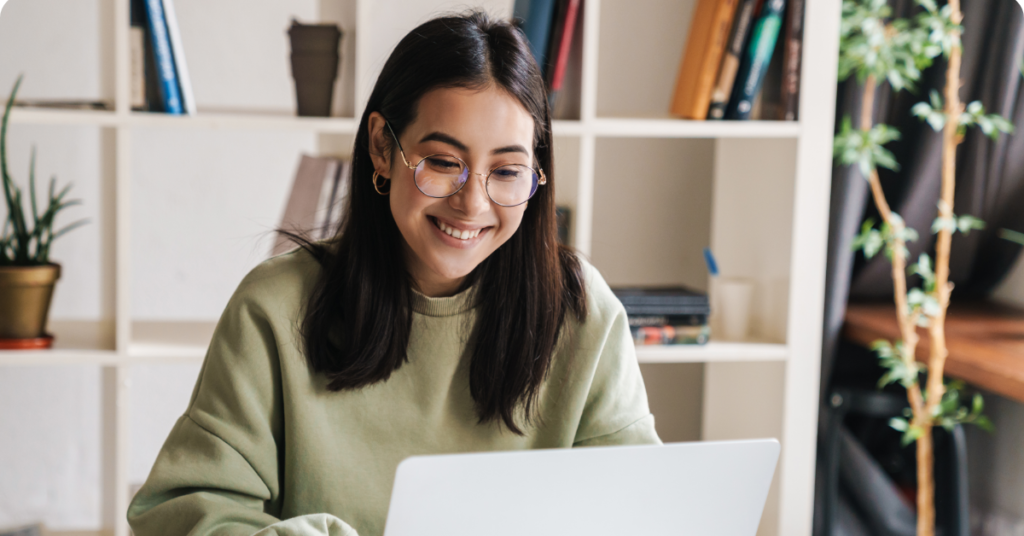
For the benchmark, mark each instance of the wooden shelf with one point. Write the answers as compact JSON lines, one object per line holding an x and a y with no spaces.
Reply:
{"x":985,"y":342}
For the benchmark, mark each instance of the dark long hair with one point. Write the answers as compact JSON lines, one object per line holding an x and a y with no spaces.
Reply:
{"x":358,"y":318}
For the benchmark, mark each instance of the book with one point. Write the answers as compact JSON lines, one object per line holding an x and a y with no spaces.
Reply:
{"x":320,"y":181}
{"x":742,"y":23}
{"x":705,"y":46}
{"x":27,"y":530}
{"x":790,"y":97}
{"x":661,"y":335}
{"x":564,"y":29}
{"x":188,"y":101}
{"x":768,"y":101}
{"x":662,"y":301}
{"x":667,"y":320}
{"x":170,"y":95}
{"x":675,"y":295}
{"x":756,"y":59}
{"x":137,"y":44}
{"x":562,"y":219}
{"x":536,"y":17}
{"x":332,"y":200}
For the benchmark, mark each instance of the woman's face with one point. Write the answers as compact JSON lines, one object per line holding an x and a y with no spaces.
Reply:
{"x":485,"y":128}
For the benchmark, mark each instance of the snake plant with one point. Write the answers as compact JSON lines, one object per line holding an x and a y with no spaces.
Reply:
{"x":21,"y":244}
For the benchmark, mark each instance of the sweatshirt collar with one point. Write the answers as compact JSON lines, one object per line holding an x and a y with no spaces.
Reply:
{"x":449,"y":306}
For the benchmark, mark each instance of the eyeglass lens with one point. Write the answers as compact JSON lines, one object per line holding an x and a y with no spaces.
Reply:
{"x":444,"y":175}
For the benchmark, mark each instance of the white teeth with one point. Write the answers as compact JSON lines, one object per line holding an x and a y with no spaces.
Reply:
{"x":461,"y":235}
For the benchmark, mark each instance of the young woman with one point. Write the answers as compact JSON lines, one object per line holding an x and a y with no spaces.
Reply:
{"x":443,"y":317}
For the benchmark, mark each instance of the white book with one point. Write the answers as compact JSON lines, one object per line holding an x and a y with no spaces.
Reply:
{"x":304,"y":200}
{"x":188,"y":100}
{"x":137,"y":43}
{"x":333,"y":198}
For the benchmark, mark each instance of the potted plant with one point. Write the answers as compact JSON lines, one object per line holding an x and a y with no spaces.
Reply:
{"x":878,"y":48}
{"x":27,"y":276}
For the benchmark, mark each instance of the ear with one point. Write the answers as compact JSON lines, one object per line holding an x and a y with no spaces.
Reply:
{"x":379,"y":148}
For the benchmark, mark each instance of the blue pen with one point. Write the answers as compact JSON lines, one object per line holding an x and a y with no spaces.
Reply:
{"x":710,"y":260}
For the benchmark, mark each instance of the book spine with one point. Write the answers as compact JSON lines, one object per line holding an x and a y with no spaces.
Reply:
{"x":759,"y":55}
{"x":165,"y":59}
{"x":731,"y":59}
{"x":682,"y":299}
{"x":537,"y":27}
{"x":188,"y":100}
{"x":562,"y":58}
{"x":652,"y":310}
{"x":667,"y":320}
{"x":791,"y":60}
{"x":656,"y":335}
{"x":709,"y":34}
{"x":137,"y":40}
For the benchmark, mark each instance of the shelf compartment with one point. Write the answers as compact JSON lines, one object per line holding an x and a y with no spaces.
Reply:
{"x":170,"y":341}
{"x":713,"y":352}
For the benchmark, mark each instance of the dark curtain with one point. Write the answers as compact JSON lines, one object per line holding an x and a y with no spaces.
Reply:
{"x":990,"y":177}
{"x":990,"y":174}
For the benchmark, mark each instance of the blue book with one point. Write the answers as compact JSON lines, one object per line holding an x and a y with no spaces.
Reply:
{"x":166,"y":74}
{"x":537,"y":17}
{"x":755,"y":62}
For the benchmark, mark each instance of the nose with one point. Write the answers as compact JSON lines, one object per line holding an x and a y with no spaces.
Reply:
{"x":472,"y":199}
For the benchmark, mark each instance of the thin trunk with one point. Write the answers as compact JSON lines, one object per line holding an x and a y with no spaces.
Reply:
{"x":907,"y":322}
{"x":936,"y":329}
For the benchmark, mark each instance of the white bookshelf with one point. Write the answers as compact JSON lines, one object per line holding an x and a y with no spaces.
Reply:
{"x":757,"y":192}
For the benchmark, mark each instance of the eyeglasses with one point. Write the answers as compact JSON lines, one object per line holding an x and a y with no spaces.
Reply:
{"x":443,"y":175}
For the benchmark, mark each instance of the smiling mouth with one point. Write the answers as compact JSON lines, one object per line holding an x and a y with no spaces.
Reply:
{"x":455,"y":233}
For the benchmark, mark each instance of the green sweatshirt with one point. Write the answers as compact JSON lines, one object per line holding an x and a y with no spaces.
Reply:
{"x":263,"y":440}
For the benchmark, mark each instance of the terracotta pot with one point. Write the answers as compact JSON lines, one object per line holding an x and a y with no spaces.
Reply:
{"x":25,"y":294}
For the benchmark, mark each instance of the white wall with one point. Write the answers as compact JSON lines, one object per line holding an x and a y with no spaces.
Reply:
{"x":209,"y":197}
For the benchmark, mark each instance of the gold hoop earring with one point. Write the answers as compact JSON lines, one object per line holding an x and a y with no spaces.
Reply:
{"x":377,"y":186}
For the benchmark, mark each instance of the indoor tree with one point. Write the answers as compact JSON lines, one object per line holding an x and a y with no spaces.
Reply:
{"x":878,"y":49}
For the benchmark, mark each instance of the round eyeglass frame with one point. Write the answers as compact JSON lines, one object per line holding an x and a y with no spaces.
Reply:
{"x":539,"y":173}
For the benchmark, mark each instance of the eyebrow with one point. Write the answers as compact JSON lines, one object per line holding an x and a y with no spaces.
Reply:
{"x":444,"y":138}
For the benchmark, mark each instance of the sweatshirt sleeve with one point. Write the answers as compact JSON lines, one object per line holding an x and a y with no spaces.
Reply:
{"x":217,"y":472}
{"x":616,"y":411}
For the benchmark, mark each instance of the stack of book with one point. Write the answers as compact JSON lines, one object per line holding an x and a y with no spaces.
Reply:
{"x":666,"y":315}
{"x":316,"y":203}
{"x":735,"y":65}
{"x":549,"y":26}
{"x":159,"y":75}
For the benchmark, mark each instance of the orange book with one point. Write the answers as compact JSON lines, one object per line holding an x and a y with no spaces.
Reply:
{"x":709,"y":34}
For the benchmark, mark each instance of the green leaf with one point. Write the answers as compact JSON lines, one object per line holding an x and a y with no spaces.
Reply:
{"x":967,"y":222}
{"x":1012,"y":236}
{"x":883,"y":348}
{"x":898,"y":424}
{"x":944,"y":224}
{"x":923,"y":268}
{"x":984,"y":423}
{"x":912,"y":434}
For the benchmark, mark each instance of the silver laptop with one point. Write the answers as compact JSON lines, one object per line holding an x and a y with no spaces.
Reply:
{"x":702,"y":488}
